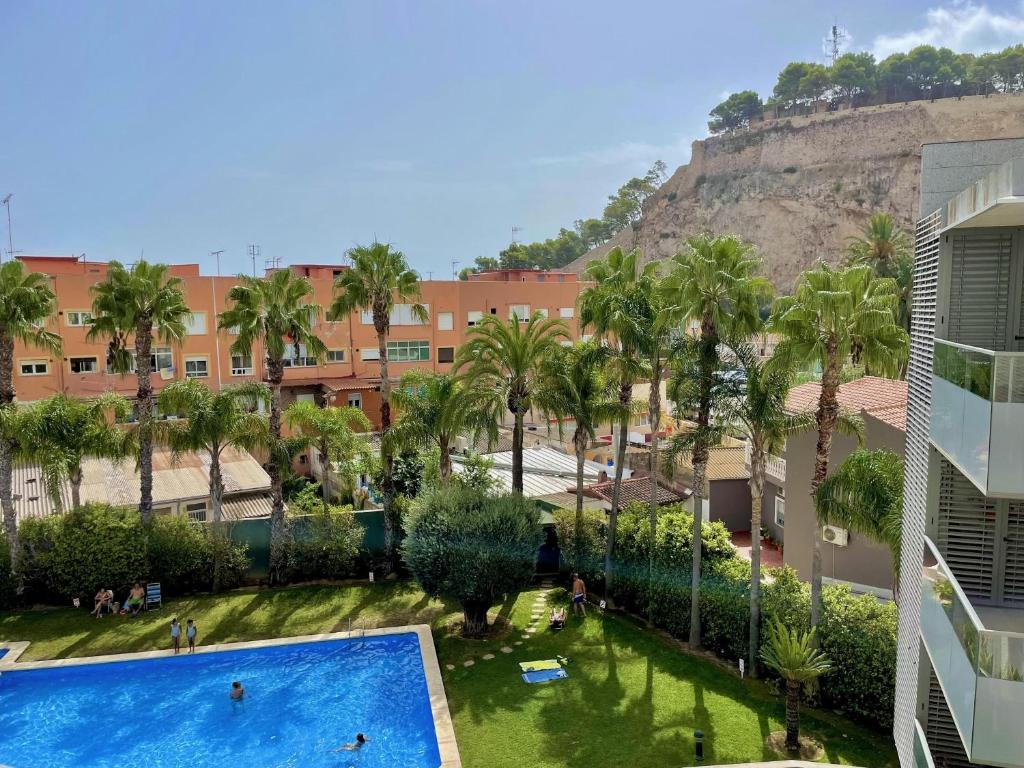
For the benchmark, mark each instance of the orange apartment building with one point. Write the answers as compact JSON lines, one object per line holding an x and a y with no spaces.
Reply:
{"x":349,"y":375}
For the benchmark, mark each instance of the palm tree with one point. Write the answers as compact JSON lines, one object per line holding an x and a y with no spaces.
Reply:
{"x":881,"y":246}
{"x":713,"y":284}
{"x":617,"y":308}
{"x":794,"y":655}
{"x":865,"y":494}
{"x":435,"y":408}
{"x":62,"y":431}
{"x":141,"y":301}
{"x":832,"y":312}
{"x":333,"y":432}
{"x":504,"y":359}
{"x":26,"y":302}
{"x":378,"y":276}
{"x":574,"y":386}
{"x":274,"y":311}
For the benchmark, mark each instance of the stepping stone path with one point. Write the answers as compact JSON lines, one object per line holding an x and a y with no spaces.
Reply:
{"x":469,"y":663}
{"x":518,"y":642}
{"x":449,"y":667}
{"x":506,"y":649}
{"x":488,"y":656}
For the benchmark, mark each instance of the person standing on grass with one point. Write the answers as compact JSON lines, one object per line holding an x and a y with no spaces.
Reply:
{"x":190,"y":635}
{"x":579,"y":596}
{"x":176,"y":635}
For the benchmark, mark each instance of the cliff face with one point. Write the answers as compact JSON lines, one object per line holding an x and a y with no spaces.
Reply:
{"x":797,"y":188}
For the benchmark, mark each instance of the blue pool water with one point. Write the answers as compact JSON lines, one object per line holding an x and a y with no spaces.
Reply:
{"x":302,"y":701}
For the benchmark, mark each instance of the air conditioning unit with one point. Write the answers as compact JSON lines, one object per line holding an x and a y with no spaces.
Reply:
{"x":835,"y":535}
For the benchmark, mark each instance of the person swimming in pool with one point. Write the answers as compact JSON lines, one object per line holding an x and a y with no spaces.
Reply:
{"x":237,"y":691}
{"x":354,"y":746}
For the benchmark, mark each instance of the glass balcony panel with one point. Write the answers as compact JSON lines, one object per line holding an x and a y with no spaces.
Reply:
{"x":922,"y":754}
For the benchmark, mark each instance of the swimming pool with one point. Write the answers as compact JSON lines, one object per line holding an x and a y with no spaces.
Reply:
{"x":303,"y":700}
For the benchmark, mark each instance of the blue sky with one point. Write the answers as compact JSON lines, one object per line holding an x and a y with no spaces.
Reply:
{"x":175,"y":129}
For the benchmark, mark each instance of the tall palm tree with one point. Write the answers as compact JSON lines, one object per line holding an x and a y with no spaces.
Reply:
{"x":141,"y":301}
{"x":713,"y":283}
{"x":435,"y":408}
{"x":378,"y":276}
{"x":881,"y":245}
{"x":865,"y":494}
{"x":505,"y":359}
{"x":795,"y":656}
{"x":574,"y":386}
{"x":274,"y":311}
{"x":62,"y":431}
{"x":832,"y":312}
{"x":26,"y":302}
{"x":617,"y":308}
{"x":334,"y":433}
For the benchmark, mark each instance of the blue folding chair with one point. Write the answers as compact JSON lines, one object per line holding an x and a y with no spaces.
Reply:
{"x":153,"y":597}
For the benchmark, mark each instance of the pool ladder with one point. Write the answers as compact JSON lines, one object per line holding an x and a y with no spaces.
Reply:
{"x":358,"y":631}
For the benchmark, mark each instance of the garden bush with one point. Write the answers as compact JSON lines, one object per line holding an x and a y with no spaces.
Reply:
{"x":324,"y":545}
{"x":472,"y":548}
{"x":182,"y":555}
{"x":589,"y":560}
{"x":8,"y":594}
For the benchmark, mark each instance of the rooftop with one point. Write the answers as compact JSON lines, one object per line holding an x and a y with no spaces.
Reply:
{"x":638,"y":489}
{"x":882,"y":399}
{"x":545,"y":471}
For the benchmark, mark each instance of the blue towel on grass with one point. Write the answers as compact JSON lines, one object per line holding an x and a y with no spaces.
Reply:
{"x":544,"y":675}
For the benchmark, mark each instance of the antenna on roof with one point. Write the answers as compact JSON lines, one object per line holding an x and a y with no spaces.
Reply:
{"x":216,"y":255}
{"x":254,"y":253}
{"x":10,"y":235}
{"x":515,"y":234}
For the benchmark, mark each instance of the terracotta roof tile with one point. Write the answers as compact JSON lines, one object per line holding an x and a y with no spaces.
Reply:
{"x":884,"y":399}
{"x":637,"y":489}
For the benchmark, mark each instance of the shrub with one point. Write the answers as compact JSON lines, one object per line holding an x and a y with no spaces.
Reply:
{"x":472,"y":548}
{"x":671,"y":196}
{"x":182,"y":554}
{"x":324,"y":545}
{"x":475,"y":474}
{"x":589,"y":560}
{"x":8,"y":594}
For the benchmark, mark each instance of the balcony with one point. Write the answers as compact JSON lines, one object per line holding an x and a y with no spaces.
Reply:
{"x":922,"y":753}
{"x":774,"y":467}
{"x":977,"y":416}
{"x":981,"y":670}
{"x":995,"y":200}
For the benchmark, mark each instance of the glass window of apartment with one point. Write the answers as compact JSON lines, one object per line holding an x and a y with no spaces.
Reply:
{"x":335,"y":355}
{"x":241,"y":365}
{"x":196,"y":511}
{"x":76,"y":318}
{"x":474,"y":318}
{"x":369,"y":353}
{"x":445,"y":321}
{"x":401,"y":314}
{"x":355,"y":399}
{"x":446,"y":354}
{"x":34,"y":367}
{"x":196,"y":367}
{"x":297,"y":356}
{"x":195,"y":324}
{"x":408,"y":351}
{"x":83,"y":364}
{"x":780,"y":511}
{"x":160,"y":359}
{"x":567,"y":312}
{"x":642,"y":420}
{"x":522,"y":311}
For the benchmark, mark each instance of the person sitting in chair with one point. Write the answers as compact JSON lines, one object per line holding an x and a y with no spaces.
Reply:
{"x":557,"y":620}
{"x":103,"y":602}
{"x":136,"y":600}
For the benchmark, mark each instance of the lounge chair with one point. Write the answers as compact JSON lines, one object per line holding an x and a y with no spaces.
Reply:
{"x":153,"y":597}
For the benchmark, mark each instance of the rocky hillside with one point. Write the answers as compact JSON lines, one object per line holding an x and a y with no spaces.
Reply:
{"x":798,"y":187}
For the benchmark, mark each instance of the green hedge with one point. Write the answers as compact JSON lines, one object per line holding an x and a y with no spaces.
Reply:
{"x":7,"y":585}
{"x":74,"y":554}
{"x":857,"y":633}
{"x":324,"y":545}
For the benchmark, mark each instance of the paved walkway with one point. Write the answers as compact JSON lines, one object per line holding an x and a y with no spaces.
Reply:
{"x":771,"y":557}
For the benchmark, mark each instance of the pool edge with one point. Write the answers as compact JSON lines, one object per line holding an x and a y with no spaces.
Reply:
{"x":444,"y":730}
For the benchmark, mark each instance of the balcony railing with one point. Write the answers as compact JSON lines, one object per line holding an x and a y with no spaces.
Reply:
{"x":922,"y":753}
{"x":978,"y":414}
{"x":981,"y":670}
{"x":775,"y":466}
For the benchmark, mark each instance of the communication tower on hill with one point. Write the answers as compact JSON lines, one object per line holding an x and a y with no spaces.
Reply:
{"x":836,"y":42}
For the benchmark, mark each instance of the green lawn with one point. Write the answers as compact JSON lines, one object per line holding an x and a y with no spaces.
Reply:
{"x":631,"y":698}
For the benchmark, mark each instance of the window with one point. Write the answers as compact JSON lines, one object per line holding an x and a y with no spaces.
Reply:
{"x":195,"y":324}
{"x":76,"y":318}
{"x":522,"y":311}
{"x":83,"y":364}
{"x":161,"y":358}
{"x":335,"y":355}
{"x":369,"y":353}
{"x":34,"y":367}
{"x":408,"y":351}
{"x":355,"y":399}
{"x":642,"y":420}
{"x":305,"y":397}
{"x":445,"y":321}
{"x":561,"y":278}
{"x":234,"y":330}
{"x":241,"y":365}
{"x":543,"y":313}
{"x":446,"y":354}
{"x":196,"y":367}
{"x":474,"y":318}
{"x":401,"y":314}
{"x":780,"y":511}
{"x":567,"y":313}
{"x":297,"y":356}
{"x":542,"y":278}
{"x":197,"y":511}
{"x":162,"y":511}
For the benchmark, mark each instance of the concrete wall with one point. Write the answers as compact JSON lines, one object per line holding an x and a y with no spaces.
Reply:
{"x":947,"y":169}
{"x":771,"y":493}
{"x":862,"y":561}
{"x":730,"y":503}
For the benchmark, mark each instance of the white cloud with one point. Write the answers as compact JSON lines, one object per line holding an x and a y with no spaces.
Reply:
{"x":637,"y":154}
{"x":962,"y":26}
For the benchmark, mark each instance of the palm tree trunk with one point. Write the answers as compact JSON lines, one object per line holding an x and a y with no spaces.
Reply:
{"x":216,"y":523}
{"x":757,"y":462}
{"x":7,"y":455}
{"x":625,"y":398}
{"x":517,"y":452}
{"x":387,"y":460}
{"x":708,"y":362}
{"x":579,"y":442}
{"x":699,"y":473}
{"x":278,"y":527}
{"x":445,"y":461}
{"x":828,"y":414}
{"x":325,"y":473}
{"x":144,"y":415}
{"x":654,"y":408}
{"x":75,"y":479}
{"x":792,"y":715}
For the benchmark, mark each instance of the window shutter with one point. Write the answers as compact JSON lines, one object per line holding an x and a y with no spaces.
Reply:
{"x":979,"y":305}
{"x":966,"y":534}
